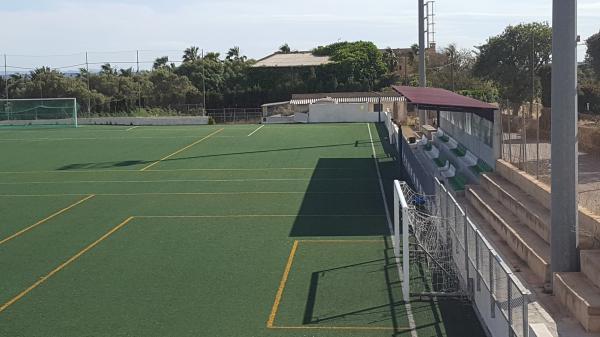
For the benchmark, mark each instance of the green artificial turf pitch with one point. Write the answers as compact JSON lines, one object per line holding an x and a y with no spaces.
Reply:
{"x":203,"y":231}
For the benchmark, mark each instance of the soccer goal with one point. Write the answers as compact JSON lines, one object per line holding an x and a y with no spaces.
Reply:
{"x":445,"y":255}
{"x":38,"y":112}
{"x":423,"y":240}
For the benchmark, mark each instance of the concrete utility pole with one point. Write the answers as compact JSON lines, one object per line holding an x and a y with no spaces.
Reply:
{"x":203,"y":84}
{"x":422,"y":47}
{"x":5,"y":77}
{"x":87,"y":77}
{"x":565,"y":224}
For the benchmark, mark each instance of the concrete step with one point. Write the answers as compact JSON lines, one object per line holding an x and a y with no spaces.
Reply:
{"x":590,"y":265}
{"x":521,"y":239}
{"x":581,"y":297}
{"x":528,"y":210}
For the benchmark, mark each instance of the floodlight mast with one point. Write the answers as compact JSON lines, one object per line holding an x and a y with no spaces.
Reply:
{"x":422,"y":47}
{"x":564,"y":209}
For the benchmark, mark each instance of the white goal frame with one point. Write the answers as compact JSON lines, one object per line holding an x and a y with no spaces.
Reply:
{"x":74,"y":112}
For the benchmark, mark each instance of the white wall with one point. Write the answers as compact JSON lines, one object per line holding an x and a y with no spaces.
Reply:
{"x":176,"y":120}
{"x":342,"y":113}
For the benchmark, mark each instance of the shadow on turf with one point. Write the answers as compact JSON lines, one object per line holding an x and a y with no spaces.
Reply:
{"x":435,"y":318}
{"x":111,"y":164}
{"x":443,"y":318}
{"x":364,"y":214}
{"x":387,"y":313}
{"x":367,"y":204}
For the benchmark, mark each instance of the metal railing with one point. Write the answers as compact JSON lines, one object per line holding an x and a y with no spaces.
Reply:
{"x":481,"y":269}
{"x":486,"y":279}
{"x":420,"y":178}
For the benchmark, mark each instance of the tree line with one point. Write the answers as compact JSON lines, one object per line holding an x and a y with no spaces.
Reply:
{"x":514,"y":66}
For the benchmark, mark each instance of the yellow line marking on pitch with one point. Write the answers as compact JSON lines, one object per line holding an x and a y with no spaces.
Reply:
{"x":342,"y":241}
{"x":182,"y":149}
{"x":63,"y":265}
{"x":255,"y":131}
{"x":133,"y":127}
{"x":19,"y":233}
{"x":282,"y":284}
{"x":284,"y":278}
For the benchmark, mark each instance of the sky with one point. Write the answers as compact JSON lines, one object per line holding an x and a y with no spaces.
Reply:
{"x":59,"y":32}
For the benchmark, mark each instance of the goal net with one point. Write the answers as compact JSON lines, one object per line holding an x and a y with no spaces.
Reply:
{"x":423,"y":231}
{"x":32,"y":112}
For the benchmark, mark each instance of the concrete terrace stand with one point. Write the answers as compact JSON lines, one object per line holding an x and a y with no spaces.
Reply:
{"x":512,"y":210}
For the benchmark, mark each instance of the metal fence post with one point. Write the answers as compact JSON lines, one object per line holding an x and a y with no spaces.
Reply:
{"x":525,"y":315}
{"x":524,"y":142}
{"x":509,"y":303}
{"x":397,"y":222}
{"x":492,"y":297}
{"x":537,"y":162}
{"x":509,"y":136}
{"x":466,"y":239}
{"x":477,"y":267}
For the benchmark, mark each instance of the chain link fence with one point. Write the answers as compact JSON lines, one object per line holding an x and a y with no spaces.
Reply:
{"x":526,"y":144}
{"x":526,"y":138}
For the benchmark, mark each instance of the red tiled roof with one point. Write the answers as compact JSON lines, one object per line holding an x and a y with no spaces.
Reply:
{"x":441,"y":98}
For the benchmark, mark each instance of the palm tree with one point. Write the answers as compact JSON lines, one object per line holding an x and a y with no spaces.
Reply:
{"x":233,"y":53}
{"x":39,"y":71}
{"x":107,"y":69}
{"x":285,"y":49}
{"x":212,"y":56}
{"x":451,"y":52}
{"x":83,"y":72}
{"x":126,"y":72}
{"x":191,"y":54}
{"x":160,"y":62}
{"x":414,"y":52}
{"x":392,"y":59}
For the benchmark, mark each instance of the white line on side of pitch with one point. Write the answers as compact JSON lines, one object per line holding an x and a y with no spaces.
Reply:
{"x":255,"y":131}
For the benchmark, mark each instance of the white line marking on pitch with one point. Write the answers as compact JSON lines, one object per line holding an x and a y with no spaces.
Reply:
{"x":409,"y":314}
{"x":133,"y":127}
{"x":175,"y":181}
{"x":255,"y":131}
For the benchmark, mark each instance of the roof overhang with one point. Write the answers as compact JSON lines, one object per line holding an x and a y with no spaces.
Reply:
{"x":302,"y":101}
{"x":441,"y":99}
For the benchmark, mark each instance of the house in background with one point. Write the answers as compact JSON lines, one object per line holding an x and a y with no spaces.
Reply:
{"x":334,"y":107}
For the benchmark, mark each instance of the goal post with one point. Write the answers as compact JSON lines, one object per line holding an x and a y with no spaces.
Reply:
{"x":401,"y":221}
{"x":39,"y":112}
{"x":422,"y":229}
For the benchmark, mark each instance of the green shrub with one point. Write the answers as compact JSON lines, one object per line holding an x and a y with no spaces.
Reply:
{"x":589,"y":93}
{"x":489,"y":96}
